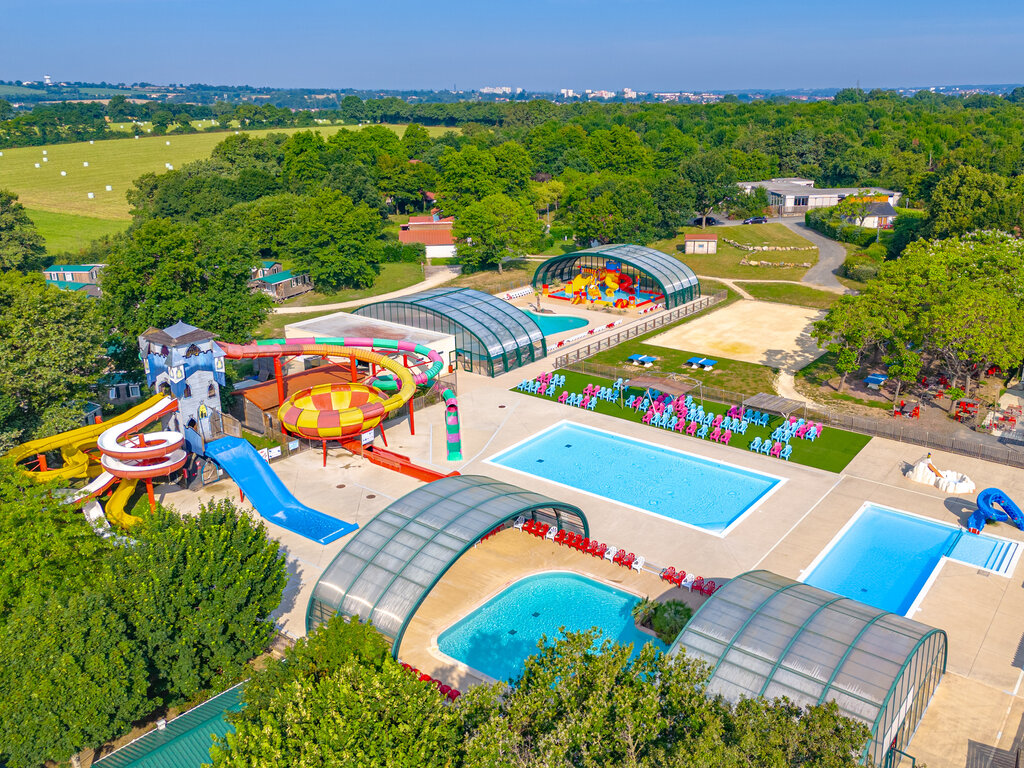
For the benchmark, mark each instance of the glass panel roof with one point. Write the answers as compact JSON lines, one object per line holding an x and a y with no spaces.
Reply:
{"x":500,"y":326}
{"x":387,"y":568}
{"x":673,"y":275}
{"x":767,"y":635}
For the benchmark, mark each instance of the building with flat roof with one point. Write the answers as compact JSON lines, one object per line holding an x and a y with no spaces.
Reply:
{"x":700,"y":243}
{"x":791,"y":195}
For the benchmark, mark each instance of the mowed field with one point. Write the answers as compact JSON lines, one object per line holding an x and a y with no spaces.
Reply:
{"x":68,"y":232}
{"x":115,"y":163}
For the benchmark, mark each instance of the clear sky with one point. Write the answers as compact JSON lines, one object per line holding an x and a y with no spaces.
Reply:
{"x":659,"y":45}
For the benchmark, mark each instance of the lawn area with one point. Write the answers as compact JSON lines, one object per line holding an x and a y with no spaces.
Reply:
{"x":393,"y":277}
{"x":260,"y":441}
{"x":790,"y":293}
{"x":68,"y":233}
{"x":490,"y":281}
{"x":832,"y":451}
{"x":819,"y":382}
{"x":114,"y":162}
{"x":726,"y":263}
{"x":735,"y":375}
{"x":766,"y":234}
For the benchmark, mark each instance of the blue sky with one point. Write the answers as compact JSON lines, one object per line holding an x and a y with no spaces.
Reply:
{"x":644,"y":44}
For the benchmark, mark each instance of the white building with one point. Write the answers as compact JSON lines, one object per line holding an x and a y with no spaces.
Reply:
{"x":792,"y":195}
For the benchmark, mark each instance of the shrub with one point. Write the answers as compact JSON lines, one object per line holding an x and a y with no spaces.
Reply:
{"x":560,"y":232}
{"x":669,"y":618}
{"x":392,"y":252}
{"x":861,"y":267}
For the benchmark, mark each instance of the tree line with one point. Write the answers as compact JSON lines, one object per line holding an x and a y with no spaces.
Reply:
{"x":99,"y":633}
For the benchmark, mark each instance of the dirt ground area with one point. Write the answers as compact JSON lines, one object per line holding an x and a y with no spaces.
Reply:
{"x":776,"y":335}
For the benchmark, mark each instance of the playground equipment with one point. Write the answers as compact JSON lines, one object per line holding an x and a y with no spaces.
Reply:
{"x":451,"y":424}
{"x":1007,"y":511}
{"x":333,"y":411}
{"x":947,"y":481}
{"x":107,"y":453}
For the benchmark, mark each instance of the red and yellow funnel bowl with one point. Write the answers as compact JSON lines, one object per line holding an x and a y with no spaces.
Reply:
{"x":331,"y":411}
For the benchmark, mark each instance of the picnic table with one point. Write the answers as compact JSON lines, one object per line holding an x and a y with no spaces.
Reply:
{"x":875,"y":380}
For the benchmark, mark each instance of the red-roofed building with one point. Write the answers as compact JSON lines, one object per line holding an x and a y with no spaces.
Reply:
{"x":433,"y":231}
{"x":700,"y":243}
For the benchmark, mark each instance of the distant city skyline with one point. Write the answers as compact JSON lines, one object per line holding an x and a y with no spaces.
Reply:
{"x":646,"y":45}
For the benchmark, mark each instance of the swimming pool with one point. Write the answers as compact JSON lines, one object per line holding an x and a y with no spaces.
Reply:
{"x":498,"y":636}
{"x":888,"y":558}
{"x":688,"y":489}
{"x":552,"y":324}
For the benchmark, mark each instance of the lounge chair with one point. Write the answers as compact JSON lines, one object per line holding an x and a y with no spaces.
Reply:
{"x":726,"y":437}
{"x":692,"y":429}
{"x":742,"y":428}
{"x":600,"y":551}
{"x":592,"y":404}
{"x":715,"y":434}
{"x":718,"y":421}
{"x":559,"y":537}
{"x":672,"y":423}
{"x":586,"y":401}
{"x":638,"y":564}
{"x":766,"y":447}
{"x":709,"y":419}
{"x":519,"y":523}
{"x":679,"y":577}
{"x":763,"y":421}
{"x":610,"y":553}
{"x":687,"y":582}
{"x":681,"y":425}
{"x":786,"y":452}
{"x":697,"y":584}
{"x":702,"y":432}
{"x":628,"y":560}
{"x":755,"y":444}
{"x":775,"y":450}
{"x":647,"y":417}
{"x":708,"y":588}
{"x":667,"y":574}
{"x":563,"y":397}
{"x":619,"y":557}
{"x":542,"y":532}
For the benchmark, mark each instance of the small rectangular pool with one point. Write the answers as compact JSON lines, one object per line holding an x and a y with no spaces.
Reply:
{"x":502,"y":633}
{"x":888,"y":559}
{"x":710,"y":495}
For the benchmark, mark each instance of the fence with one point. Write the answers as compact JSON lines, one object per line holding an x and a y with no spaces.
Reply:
{"x":900,"y":430}
{"x":659,"y":320}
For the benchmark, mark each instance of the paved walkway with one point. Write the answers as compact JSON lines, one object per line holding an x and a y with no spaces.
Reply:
{"x":433,"y":281}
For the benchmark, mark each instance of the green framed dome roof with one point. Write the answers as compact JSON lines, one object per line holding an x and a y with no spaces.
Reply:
{"x":389,"y":566}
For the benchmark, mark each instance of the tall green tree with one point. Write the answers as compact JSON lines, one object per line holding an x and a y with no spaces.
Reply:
{"x":197,"y":592}
{"x":968,"y":199}
{"x":70,"y":678}
{"x":21,"y":246}
{"x":713,"y":181}
{"x":50,"y":356}
{"x":494,"y":229}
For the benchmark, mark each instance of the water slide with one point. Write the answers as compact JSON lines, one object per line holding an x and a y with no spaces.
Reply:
{"x":451,"y":425}
{"x":268,"y":494}
{"x":994,"y":504}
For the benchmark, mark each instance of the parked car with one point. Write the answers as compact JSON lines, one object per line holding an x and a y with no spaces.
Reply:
{"x":711,"y":221}
{"x":756,"y":220}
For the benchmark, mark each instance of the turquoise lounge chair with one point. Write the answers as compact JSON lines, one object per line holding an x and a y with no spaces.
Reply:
{"x":755,"y":444}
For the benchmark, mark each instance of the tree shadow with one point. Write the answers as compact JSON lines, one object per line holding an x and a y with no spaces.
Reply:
{"x":289,"y":597}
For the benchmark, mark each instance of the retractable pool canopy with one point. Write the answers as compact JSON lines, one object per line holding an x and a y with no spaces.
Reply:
{"x":387,"y":569}
{"x":766,"y":635}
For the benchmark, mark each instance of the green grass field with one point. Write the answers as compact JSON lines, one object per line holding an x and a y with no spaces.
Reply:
{"x":764,"y":234}
{"x":726,"y":263}
{"x":832,"y":451}
{"x":68,"y":233}
{"x":392,"y":277}
{"x":788,"y":293}
{"x":117,"y":163}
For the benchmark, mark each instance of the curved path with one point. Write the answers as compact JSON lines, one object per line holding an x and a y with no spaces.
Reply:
{"x":436,"y":279}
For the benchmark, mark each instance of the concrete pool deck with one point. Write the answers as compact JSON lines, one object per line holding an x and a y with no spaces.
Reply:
{"x":978,"y":706}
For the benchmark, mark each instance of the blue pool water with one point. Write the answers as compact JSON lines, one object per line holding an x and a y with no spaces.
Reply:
{"x":689,"y":489}
{"x":552,"y":324}
{"x":498,"y":636}
{"x":886,"y":557}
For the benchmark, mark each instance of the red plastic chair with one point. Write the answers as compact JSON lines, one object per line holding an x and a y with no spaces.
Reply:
{"x":443,"y":689}
{"x":678,"y":578}
{"x":627,"y":562}
{"x":453,"y":694}
{"x":544,"y":530}
{"x":668,"y":574}
{"x":583,"y":545}
{"x":698,"y":585}
{"x":560,"y":537}
{"x":708,"y":588}
{"x":599,"y":552}
{"x":424,"y":677}
{"x":619,"y":557}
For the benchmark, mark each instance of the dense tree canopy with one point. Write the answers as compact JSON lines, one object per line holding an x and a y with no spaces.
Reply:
{"x":50,"y":355}
{"x":21,"y":247}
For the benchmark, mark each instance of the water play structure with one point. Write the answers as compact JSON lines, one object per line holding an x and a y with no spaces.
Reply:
{"x":947,"y":481}
{"x":116,"y":452}
{"x":995,"y":505}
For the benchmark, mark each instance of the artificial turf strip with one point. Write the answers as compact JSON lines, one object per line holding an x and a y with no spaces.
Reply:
{"x":832,"y":451}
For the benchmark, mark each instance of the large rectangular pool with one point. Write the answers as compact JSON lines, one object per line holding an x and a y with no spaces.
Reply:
{"x":888,"y":559}
{"x":710,"y":495}
{"x":502,"y":633}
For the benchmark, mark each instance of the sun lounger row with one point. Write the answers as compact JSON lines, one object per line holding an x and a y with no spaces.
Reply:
{"x":577,"y":400}
{"x":688,"y":581}
{"x":599,"y":550}
{"x":610,"y":394}
{"x":445,"y":690}
{"x":769,"y":447}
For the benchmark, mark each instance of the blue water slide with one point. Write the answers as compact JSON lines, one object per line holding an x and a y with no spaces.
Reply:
{"x":268,"y":494}
{"x":994,"y":504}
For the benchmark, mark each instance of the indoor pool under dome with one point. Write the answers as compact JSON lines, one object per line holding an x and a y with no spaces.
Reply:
{"x":688,"y":489}
{"x":502,"y":633}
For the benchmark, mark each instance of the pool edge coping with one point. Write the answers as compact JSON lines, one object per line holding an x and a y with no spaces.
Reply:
{"x":780,"y":481}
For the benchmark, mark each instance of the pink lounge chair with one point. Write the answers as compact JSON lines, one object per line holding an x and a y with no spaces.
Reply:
{"x":732,"y":412}
{"x":726,"y":437}
{"x":776,"y":450}
{"x":586,"y":400}
{"x":588,"y":390}
{"x":648,"y":416}
{"x":681,"y":412}
{"x":563,"y":397}
{"x":802,"y":430}
{"x":716,"y":434}
{"x":681,"y":424}
{"x":717,"y":422}
{"x":692,"y":429}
